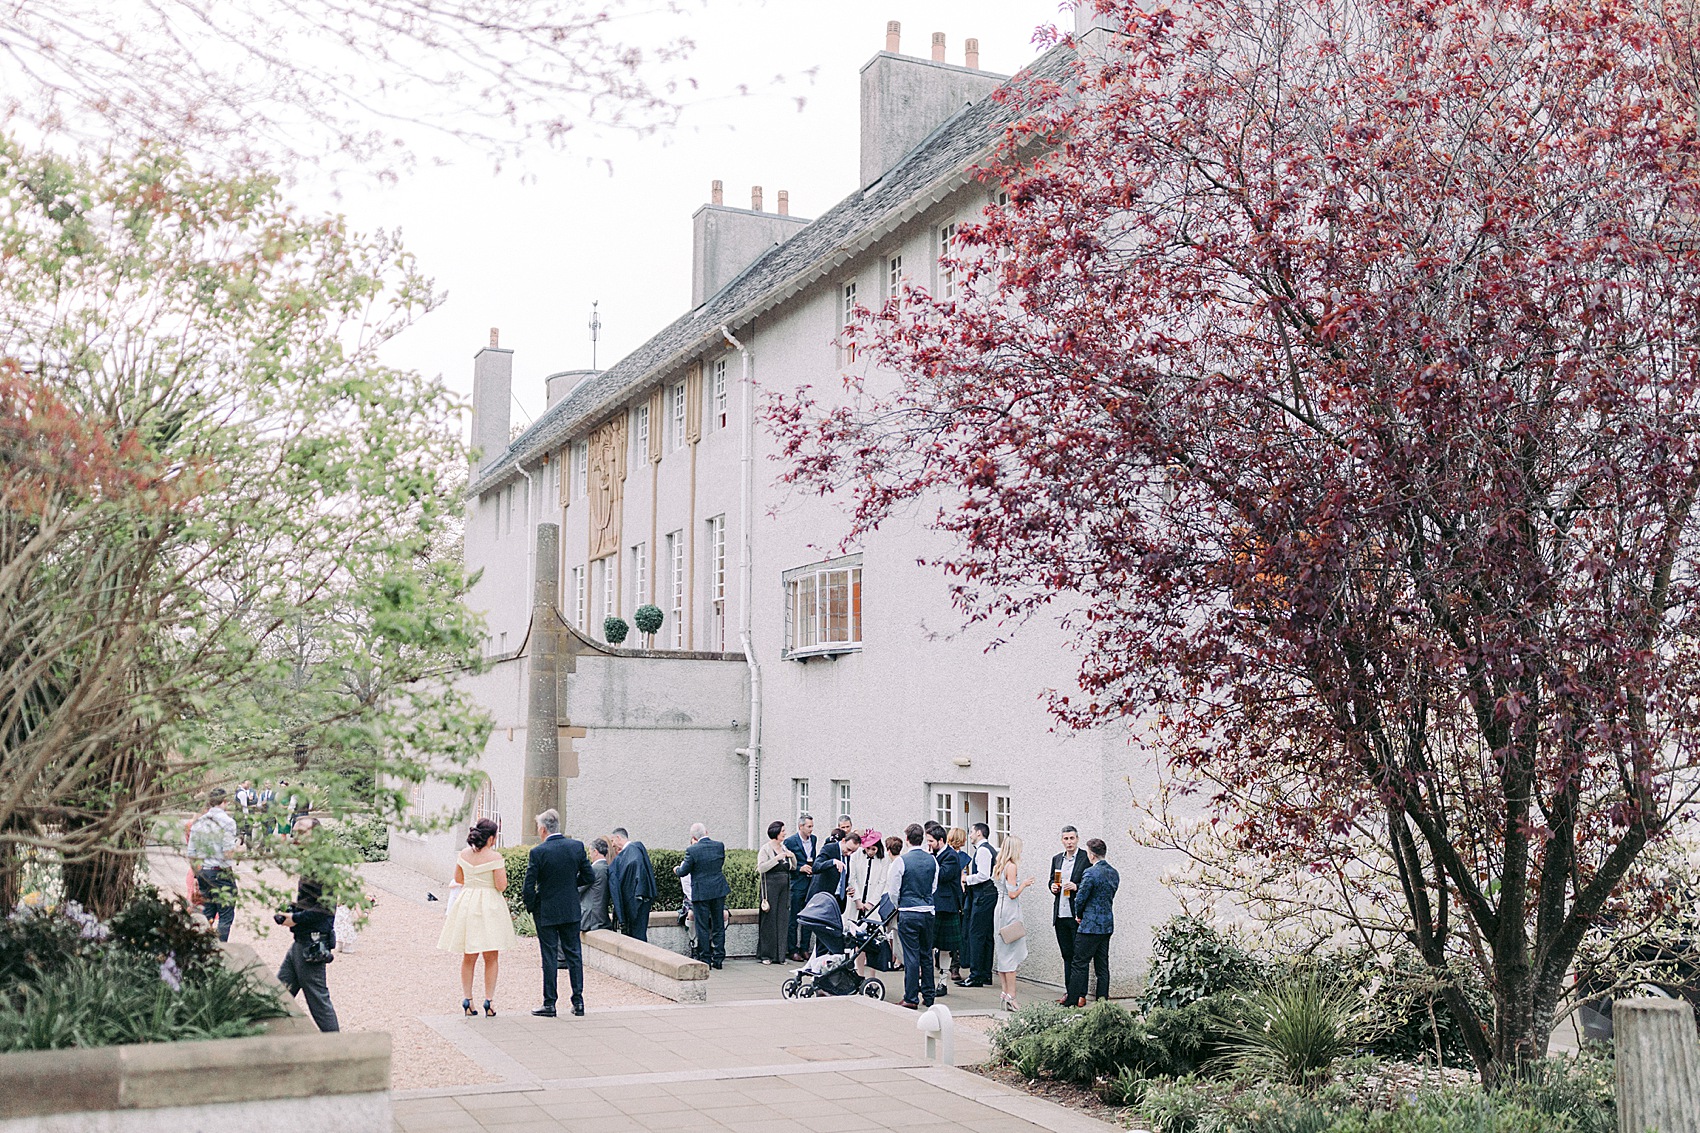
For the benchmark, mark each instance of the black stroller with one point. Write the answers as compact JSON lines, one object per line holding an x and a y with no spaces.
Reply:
{"x":832,"y":968}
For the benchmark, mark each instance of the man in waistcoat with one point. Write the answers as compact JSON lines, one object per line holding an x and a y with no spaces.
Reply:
{"x":913,"y":878}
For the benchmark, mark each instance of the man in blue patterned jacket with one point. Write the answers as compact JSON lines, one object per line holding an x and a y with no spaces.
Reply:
{"x":1094,"y":913}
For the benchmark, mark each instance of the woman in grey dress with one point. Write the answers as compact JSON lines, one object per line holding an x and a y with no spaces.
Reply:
{"x":1007,"y":955}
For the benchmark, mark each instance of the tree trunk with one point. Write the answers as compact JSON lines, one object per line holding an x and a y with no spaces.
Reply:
{"x":101,"y":883}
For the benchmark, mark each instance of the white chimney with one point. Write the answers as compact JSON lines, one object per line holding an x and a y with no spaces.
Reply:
{"x":492,"y":394}
{"x":904,"y":99}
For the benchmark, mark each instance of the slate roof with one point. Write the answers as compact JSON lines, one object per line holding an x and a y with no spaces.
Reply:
{"x":935,"y":168}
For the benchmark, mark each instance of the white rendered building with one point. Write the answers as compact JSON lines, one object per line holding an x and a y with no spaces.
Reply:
{"x":652,"y":482}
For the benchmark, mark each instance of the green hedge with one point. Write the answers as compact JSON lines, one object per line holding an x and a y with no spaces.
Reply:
{"x":740,"y":875}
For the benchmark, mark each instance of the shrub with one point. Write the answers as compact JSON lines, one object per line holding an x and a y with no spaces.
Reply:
{"x":1191,"y":961}
{"x":516,"y":859}
{"x":741,"y":877}
{"x":155,"y":927}
{"x":1044,"y":1039}
{"x":1456,"y":1111}
{"x":366,"y":835}
{"x":648,"y":618}
{"x":614,"y":629}
{"x":1123,"y":1088}
{"x":1179,"y":1106}
{"x":39,"y":940}
{"x":1032,"y":1019}
{"x":117,"y":996}
{"x":1294,"y":1029}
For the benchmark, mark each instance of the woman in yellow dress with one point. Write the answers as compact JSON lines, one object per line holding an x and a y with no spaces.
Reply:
{"x":478,"y":918}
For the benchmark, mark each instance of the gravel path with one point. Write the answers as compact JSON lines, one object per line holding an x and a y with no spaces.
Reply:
{"x":396,"y":974}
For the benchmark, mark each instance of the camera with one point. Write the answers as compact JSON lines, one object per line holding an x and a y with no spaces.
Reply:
{"x":277,"y":918}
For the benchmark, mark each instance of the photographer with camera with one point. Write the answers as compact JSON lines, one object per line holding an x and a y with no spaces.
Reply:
{"x":315,"y":942}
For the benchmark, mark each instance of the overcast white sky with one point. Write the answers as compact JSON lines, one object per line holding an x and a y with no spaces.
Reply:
{"x":529,"y":250}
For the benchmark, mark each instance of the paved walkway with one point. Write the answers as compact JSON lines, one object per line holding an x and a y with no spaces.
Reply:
{"x":753,"y":1065}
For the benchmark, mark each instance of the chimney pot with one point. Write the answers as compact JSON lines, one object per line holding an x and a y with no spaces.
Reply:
{"x":971,"y":54}
{"x":893,"y":35}
{"x":495,"y":337}
{"x":938,"y":47}
{"x":784,"y":203}
{"x":716,"y":193}
{"x":755,"y":198}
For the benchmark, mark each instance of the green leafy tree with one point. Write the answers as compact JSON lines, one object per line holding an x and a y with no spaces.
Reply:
{"x":221,"y":516}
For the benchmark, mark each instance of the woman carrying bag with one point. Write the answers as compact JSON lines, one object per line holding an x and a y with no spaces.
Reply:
{"x":774,"y":864}
{"x":1009,"y":931}
{"x":313,"y":925}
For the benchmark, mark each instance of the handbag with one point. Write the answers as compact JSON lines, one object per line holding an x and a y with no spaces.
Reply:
{"x":1012,"y":932}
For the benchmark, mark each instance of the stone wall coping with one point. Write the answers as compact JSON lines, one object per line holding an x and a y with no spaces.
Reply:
{"x":645,"y":955}
{"x":159,"y":1075}
{"x":668,"y":918}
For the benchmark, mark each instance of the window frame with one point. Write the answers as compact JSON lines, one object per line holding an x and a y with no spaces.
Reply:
{"x":641,"y":425}
{"x":676,"y":393}
{"x":717,"y":582}
{"x":841,"y":798}
{"x":800,"y":798}
{"x":676,"y":595}
{"x":581,"y":469}
{"x":818,"y":576}
{"x":718,"y":393}
{"x":847,"y":319}
{"x":946,"y":274}
{"x":580,"y":596}
{"x":894,"y":276}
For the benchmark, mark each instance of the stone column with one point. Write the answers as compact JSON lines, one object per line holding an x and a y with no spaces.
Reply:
{"x":542,"y":746}
{"x":1658,"y":1066}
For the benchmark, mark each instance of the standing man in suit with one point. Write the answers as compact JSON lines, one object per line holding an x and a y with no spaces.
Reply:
{"x":982,"y":906}
{"x":947,"y":898}
{"x":829,"y":871}
{"x":802,"y":846}
{"x":911,"y":883}
{"x":704,"y":864}
{"x":593,"y":898}
{"x":631,"y":883}
{"x":554,"y":873}
{"x":1068,"y":866}
{"x":1094,"y":909}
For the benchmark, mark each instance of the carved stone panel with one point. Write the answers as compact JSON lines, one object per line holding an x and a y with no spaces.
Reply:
{"x":656,"y":405}
{"x":693,"y":403}
{"x":607,"y":487}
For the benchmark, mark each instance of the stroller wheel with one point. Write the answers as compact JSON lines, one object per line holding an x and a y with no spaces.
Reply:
{"x":873,"y":988}
{"x":788,"y":989}
{"x":808,"y":990}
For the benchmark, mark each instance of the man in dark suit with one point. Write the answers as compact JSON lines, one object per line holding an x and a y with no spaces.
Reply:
{"x":802,"y":846}
{"x":982,"y":897}
{"x":1094,"y":908}
{"x":829,"y":869}
{"x":554,"y":873}
{"x":1070,"y":867}
{"x":948,"y":898}
{"x":631,"y":884}
{"x":704,"y":863}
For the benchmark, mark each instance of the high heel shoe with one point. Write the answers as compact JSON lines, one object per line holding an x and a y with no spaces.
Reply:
{"x":488,"y":1010}
{"x":1008,"y":1003}
{"x":466,"y":1006}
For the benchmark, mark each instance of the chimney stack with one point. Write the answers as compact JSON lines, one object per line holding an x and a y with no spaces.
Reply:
{"x":716,"y":193}
{"x":495,"y":337}
{"x":971,"y":54}
{"x":755,"y":198}
{"x":492,"y":394}
{"x":938,"y":47}
{"x":784,"y":203}
{"x":893,"y":35}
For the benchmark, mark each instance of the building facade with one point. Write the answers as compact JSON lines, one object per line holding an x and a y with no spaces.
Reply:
{"x":790,"y":673}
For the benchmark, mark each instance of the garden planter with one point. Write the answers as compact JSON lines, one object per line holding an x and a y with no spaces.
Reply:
{"x":290,"y":1079}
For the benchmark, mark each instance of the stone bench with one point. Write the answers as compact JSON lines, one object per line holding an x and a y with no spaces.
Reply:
{"x":742,"y":934}
{"x":646,"y":965}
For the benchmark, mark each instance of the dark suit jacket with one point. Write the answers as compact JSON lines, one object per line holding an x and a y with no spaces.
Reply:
{"x":593,"y":899}
{"x":631,"y":879}
{"x":555,"y":870}
{"x":805,"y":855}
{"x":1080,"y":860}
{"x":703,"y":864}
{"x":828,"y":870}
{"x":947,"y":898}
{"x":1095,"y":904}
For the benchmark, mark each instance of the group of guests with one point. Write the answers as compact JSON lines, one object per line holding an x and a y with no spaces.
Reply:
{"x":956,"y":897}
{"x":570,"y":889}
{"x":269,"y":809}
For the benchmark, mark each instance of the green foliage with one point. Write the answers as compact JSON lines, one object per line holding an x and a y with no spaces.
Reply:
{"x":517,"y":859}
{"x":1123,"y":1088}
{"x":1294,"y":1029}
{"x":1034,"y":1019}
{"x":365,"y":835}
{"x":1081,"y":1046}
{"x":741,"y":877}
{"x":1190,"y":961}
{"x":39,"y":940}
{"x":1181,"y":1105}
{"x":117,"y":996}
{"x":154,"y":927}
{"x":648,"y":618}
{"x":614,"y":629}
{"x":251,"y":561}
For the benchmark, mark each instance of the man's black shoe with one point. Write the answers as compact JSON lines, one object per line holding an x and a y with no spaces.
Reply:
{"x":547,"y":1011}
{"x":973,"y":983}
{"x":717,"y":965}
{"x":578,"y":1009}
{"x":942,"y":990}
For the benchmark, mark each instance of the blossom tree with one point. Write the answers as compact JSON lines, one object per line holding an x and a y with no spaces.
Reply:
{"x":1331,"y":367}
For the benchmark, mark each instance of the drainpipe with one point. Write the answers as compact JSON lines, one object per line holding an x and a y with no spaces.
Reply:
{"x":530,"y":534}
{"x":746,"y":502}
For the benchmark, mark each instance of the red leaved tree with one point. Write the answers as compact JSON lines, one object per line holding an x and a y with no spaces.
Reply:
{"x":1334,"y":363}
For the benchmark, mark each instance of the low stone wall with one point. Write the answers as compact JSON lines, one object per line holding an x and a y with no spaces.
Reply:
{"x":742,"y":935}
{"x":646,"y":965}
{"x":331,"y":1083}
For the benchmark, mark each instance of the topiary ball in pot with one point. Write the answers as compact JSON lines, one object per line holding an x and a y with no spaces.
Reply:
{"x":648,"y":618}
{"x":614,"y":630}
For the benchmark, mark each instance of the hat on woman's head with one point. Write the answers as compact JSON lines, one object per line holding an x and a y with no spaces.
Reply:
{"x":871,"y":835}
